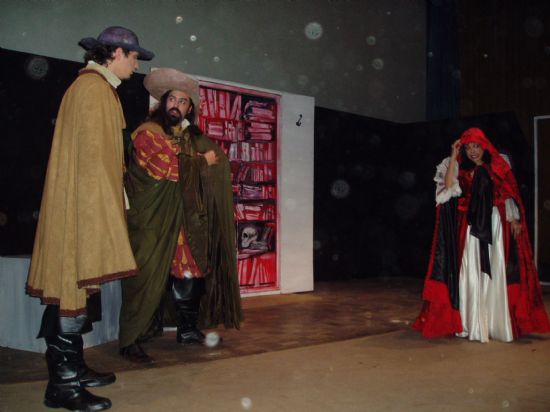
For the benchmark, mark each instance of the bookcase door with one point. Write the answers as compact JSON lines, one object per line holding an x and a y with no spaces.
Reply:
{"x":268,"y":137}
{"x":245,"y":123}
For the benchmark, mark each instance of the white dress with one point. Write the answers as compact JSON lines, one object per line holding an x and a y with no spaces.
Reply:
{"x":483,"y":300}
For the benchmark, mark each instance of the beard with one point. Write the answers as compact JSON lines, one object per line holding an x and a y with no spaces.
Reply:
{"x":173,"y":116}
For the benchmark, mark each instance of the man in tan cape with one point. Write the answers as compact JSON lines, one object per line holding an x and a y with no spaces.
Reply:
{"x":81,"y":239}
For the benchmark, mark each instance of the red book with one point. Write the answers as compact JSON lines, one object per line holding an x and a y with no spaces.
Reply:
{"x":212,"y":102}
{"x":223,"y":104}
{"x":236,"y":109}
{"x":260,"y":136}
{"x":203,"y":110}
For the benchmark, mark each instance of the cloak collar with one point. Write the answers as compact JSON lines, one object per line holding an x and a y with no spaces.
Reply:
{"x":105,"y":72}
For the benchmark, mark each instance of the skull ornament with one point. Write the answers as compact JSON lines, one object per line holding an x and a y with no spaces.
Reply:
{"x":248,"y":235}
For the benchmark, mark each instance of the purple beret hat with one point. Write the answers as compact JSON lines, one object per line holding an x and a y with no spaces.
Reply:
{"x":119,"y":37}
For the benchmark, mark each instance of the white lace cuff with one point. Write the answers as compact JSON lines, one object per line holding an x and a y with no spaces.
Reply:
{"x":442,"y":193}
{"x":126,"y":200}
{"x":512,"y":211}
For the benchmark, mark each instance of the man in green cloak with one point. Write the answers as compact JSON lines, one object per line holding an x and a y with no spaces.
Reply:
{"x":180,"y":222}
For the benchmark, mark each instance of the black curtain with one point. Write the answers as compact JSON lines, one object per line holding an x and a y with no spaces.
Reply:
{"x":31,"y":89}
{"x":443,"y":66}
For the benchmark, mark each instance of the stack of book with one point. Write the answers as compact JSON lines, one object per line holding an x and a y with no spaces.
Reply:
{"x":259,"y":131}
{"x":253,"y":172}
{"x":246,"y":212}
{"x":255,"y":110}
{"x":258,"y":270}
{"x":257,"y":192}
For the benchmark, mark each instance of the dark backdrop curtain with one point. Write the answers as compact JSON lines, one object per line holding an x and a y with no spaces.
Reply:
{"x":443,"y":66}
{"x":505,"y":58}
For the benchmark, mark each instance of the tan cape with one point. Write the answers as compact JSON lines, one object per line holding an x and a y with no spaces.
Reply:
{"x":81,"y":239}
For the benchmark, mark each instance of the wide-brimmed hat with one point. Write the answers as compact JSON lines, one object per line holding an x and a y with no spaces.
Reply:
{"x":119,"y":37}
{"x":161,"y":80}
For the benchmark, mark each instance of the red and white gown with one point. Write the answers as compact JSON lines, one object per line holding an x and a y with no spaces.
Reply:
{"x":483,"y":298}
{"x":500,"y":300}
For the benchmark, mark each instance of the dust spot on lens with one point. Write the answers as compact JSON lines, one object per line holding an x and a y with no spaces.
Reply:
{"x":37,"y":68}
{"x":313,"y":30}
{"x":378,"y":63}
{"x":340,"y":189}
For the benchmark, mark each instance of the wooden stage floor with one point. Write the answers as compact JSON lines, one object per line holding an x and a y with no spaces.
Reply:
{"x":334,"y":311}
{"x":346,"y":346}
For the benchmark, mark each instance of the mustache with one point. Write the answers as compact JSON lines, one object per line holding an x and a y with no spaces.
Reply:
{"x":176,"y":110}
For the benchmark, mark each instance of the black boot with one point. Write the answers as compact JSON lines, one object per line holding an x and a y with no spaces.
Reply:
{"x":89,"y":377}
{"x":51,"y":330}
{"x":65,"y":389}
{"x":135,"y":353}
{"x":68,"y":374}
{"x":187,"y":295}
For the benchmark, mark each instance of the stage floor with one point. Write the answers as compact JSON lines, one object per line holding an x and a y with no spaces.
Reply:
{"x":348,"y":346}
{"x":335,"y":311}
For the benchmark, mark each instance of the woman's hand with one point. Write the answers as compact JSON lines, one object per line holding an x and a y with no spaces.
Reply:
{"x":455,"y":149}
{"x":451,"y":170}
{"x":515,"y":228}
{"x":210,"y":157}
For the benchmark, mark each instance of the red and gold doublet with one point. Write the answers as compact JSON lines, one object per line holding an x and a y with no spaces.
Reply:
{"x":158,"y":155}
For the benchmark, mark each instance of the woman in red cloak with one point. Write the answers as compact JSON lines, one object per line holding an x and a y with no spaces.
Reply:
{"x":481,"y":282}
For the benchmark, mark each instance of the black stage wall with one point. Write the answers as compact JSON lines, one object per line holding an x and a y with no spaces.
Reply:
{"x":31,"y":89}
{"x":374,"y":194}
{"x":374,"y":189}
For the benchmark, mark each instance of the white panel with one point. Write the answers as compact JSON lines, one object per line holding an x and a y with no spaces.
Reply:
{"x":296,"y":193}
{"x":22,"y":314}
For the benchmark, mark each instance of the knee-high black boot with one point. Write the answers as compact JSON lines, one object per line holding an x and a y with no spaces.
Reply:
{"x":187,"y":295}
{"x":51,"y":330}
{"x":68,"y":374}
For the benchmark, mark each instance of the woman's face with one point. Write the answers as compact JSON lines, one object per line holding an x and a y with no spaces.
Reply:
{"x":475,"y":153}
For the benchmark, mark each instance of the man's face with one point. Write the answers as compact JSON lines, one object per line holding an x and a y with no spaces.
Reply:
{"x":124,"y":66}
{"x":178,"y":104}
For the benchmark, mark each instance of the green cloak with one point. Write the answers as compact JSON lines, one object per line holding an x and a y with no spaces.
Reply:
{"x":202,"y":201}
